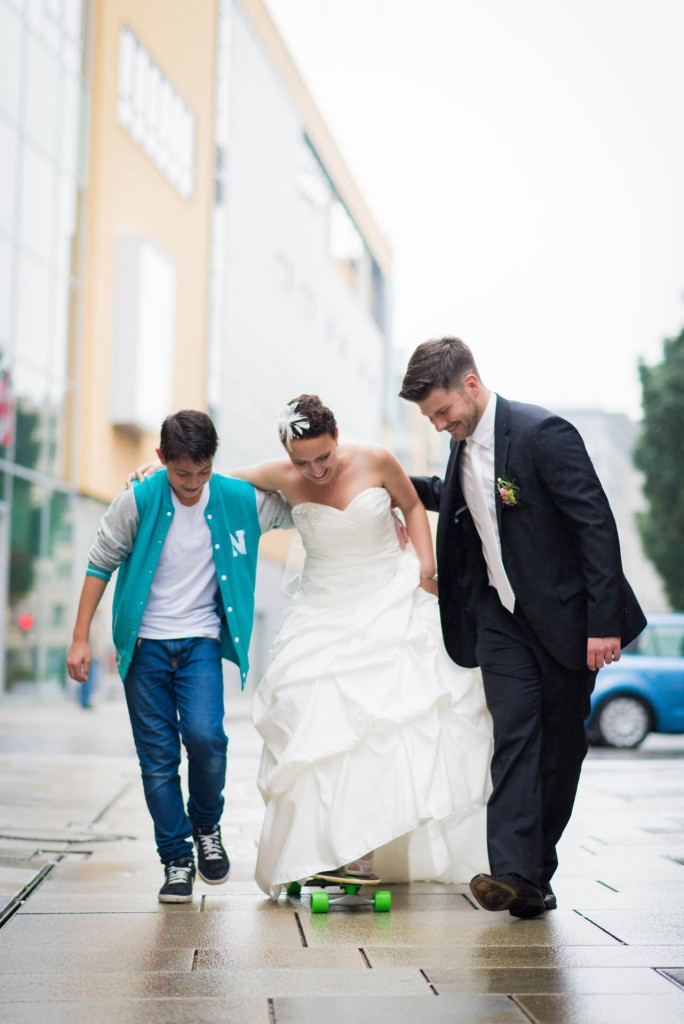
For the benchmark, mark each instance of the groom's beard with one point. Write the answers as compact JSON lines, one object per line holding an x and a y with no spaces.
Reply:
{"x":464,"y":427}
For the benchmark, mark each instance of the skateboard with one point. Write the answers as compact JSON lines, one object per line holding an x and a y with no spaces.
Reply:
{"x":350,"y":895}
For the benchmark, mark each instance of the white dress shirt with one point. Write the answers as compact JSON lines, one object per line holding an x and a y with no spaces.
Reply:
{"x":479,"y":491}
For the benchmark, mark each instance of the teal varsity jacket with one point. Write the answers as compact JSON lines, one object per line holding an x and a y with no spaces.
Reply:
{"x":131,"y":536}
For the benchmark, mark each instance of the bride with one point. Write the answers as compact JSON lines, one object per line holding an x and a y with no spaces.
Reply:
{"x":370,"y":730}
{"x":374,"y":740}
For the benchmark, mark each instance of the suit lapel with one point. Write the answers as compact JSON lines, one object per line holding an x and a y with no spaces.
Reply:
{"x":452,"y":480}
{"x":455,"y":505}
{"x":502,"y":442}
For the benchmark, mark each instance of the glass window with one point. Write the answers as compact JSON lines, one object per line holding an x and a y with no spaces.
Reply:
{"x":10,"y":61}
{"x":71,"y":122}
{"x":7,"y":431}
{"x":165,"y":126}
{"x":145,"y":331}
{"x":66,"y":225}
{"x":22,"y":604}
{"x":154,"y":113}
{"x":41,"y":96}
{"x":34,"y":316}
{"x":37,"y":204}
{"x":345,"y":241}
{"x":138,"y":93}
{"x":7,"y":257}
{"x":60,"y":330}
{"x":154,"y":87}
{"x":665,"y":641}
{"x":72,"y":19}
{"x":8,"y":176}
{"x":58,"y":444}
{"x":378,"y":297}
{"x":669,"y":641}
{"x":126,"y":55}
{"x":25,"y":541}
{"x":29,"y":431}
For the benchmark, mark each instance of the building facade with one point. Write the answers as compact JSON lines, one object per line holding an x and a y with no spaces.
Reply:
{"x":177,"y":230}
{"x":44,"y":100}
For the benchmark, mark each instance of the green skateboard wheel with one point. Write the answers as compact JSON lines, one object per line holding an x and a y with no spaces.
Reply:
{"x":294,"y":889}
{"x":382,"y":901}
{"x":320,"y":903}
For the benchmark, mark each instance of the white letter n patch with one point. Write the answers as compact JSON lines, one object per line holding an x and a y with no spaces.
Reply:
{"x":238,"y":542}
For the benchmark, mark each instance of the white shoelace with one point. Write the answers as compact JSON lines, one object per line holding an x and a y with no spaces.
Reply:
{"x":211,"y":846}
{"x":178,"y":874}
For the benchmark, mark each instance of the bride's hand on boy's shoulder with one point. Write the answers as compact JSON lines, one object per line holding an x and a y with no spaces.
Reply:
{"x":142,"y":472}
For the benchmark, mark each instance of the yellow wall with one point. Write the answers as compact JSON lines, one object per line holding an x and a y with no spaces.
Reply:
{"x":127,"y":191}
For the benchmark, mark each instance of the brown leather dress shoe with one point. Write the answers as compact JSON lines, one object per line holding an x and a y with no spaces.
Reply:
{"x":508,"y":892}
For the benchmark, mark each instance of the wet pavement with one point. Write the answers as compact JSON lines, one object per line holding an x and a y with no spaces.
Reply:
{"x":84,"y":938}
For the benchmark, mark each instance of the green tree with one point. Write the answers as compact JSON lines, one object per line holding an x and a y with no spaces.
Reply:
{"x":660,"y":457}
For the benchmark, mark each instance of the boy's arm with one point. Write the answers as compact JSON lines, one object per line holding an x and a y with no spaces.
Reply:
{"x":115,"y":536}
{"x":78,"y":658}
{"x":112,"y":545}
{"x":273,"y":511}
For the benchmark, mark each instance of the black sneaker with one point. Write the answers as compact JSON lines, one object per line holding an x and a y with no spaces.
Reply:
{"x":212,"y":860}
{"x":179,"y":878}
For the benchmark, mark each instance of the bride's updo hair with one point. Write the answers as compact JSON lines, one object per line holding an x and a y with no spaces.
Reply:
{"x":305,"y":417}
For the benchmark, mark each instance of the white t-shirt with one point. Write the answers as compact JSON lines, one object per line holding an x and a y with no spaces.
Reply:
{"x":182,"y":601}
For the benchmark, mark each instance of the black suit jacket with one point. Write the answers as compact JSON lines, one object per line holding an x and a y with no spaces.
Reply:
{"x":559,"y":545}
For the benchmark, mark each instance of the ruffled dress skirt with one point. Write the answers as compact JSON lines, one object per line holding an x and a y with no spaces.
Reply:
{"x":373,"y":738}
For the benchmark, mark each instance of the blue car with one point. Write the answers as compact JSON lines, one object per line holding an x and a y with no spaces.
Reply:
{"x":644,"y":691}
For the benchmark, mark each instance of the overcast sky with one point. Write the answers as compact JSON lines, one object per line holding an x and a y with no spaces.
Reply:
{"x":525,"y":159}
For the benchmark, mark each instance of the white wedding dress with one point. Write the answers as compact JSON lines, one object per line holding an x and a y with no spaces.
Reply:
{"x":373,"y":738}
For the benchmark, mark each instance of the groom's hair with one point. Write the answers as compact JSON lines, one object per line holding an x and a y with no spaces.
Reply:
{"x":438,"y":363}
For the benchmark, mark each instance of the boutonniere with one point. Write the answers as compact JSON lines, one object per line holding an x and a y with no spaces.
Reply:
{"x":508,"y":491}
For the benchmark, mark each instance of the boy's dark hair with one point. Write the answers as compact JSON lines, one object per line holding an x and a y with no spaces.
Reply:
{"x":319,"y":419}
{"x":188,"y":435}
{"x":438,"y":363}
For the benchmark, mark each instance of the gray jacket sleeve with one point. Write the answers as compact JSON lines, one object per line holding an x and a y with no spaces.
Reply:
{"x":116,"y":533}
{"x":274,"y":512}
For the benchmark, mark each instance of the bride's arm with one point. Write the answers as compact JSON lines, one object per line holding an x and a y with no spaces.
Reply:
{"x":267,"y":476}
{"x":406,"y":498}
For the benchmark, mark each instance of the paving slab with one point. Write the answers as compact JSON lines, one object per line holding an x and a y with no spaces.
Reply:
{"x":453,"y":929}
{"x":642,"y":927}
{"x":141,"y":1011}
{"x":246,"y":981}
{"x":399,"y":1010}
{"x":618,"y":955}
{"x":550,"y":980}
{"x":148,"y":931}
{"x":63,"y":902}
{"x":279,"y":957}
{"x":604,"y":1009}
{"x":44,"y":959}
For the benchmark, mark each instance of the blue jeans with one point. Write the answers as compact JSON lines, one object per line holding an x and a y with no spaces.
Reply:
{"x":174,"y":691}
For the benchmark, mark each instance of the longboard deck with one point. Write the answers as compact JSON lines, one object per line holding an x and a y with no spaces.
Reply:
{"x":347,"y":880}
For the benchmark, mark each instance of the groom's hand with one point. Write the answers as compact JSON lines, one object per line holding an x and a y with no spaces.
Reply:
{"x":602,"y":650}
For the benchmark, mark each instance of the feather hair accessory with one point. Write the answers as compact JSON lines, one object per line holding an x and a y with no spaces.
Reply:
{"x":291,"y":424}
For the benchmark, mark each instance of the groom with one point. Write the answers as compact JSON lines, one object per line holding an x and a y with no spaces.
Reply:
{"x":531,"y":589}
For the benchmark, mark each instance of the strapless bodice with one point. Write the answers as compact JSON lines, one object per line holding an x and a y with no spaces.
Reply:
{"x":353,"y":546}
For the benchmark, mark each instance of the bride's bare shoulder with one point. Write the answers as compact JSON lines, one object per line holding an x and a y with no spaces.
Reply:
{"x":373,"y":455}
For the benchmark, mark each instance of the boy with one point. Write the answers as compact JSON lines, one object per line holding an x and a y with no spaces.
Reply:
{"x":185,"y":543}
